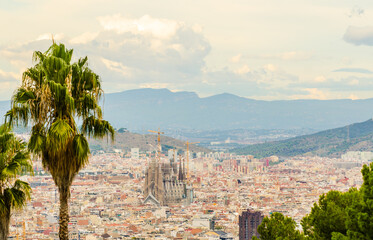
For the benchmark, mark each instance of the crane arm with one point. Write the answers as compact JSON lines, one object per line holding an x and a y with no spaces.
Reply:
{"x":156,"y":132}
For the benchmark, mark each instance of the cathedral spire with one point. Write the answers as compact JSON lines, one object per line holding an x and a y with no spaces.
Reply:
{"x":181,"y":172}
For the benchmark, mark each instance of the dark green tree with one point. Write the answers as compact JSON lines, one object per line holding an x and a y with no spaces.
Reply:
{"x":360,"y":214}
{"x":53,"y":95}
{"x":278,"y":227}
{"x":329,"y":214}
{"x":14,"y":193}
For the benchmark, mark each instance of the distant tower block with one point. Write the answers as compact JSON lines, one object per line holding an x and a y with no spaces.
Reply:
{"x":135,"y":153}
{"x":248,"y":224}
{"x":170,"y":154}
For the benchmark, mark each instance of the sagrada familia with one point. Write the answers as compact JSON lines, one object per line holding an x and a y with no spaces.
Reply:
{"x":166,"y":183}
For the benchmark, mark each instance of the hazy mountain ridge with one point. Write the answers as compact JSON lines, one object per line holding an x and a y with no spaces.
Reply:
{"x":331,"y":143}
{"x":153,"y":108}
{"x":142,"y":109}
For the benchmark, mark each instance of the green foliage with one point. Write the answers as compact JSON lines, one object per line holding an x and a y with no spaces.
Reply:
{"x":14,"y":161}
{"x":336,"y":216}
{"x":329,"y":215}
{"x":122,"y":130}
{"x":326,"y":143}
{"x":343,"y":216}
{"x":360,"y":214}
{"x":278,"y":227}
{"x":53,"y":95}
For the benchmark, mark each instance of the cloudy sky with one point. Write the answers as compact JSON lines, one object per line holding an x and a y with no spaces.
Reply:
{"x":270,"y":49}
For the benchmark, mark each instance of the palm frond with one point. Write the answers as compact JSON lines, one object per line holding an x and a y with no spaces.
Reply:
{"x":10,"y":170}
{"x":18,"y":114}
{"x":35,"y":75}
{"x":4,"y":209}
{"x":38,"y":56}
{"x":36,"y":143}
{"x":59,"y":134}
{"x":23,"y":159}
{"x":97,"y":128}
{"x":23,"y":96}
{"x":17,"y":196}
{"x":14,"y":160}
{"x":81,"y":150}
{"x":61,"y":96}
{"x":87,"y":105}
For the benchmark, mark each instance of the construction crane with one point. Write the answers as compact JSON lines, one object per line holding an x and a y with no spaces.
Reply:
{"x":187,"y":151}
{"x":24,"y":229}
{"x":159,"y":141}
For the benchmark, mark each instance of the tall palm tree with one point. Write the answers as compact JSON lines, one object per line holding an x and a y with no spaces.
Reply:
{"x":54,"y":94}
{"x":14,"y":193}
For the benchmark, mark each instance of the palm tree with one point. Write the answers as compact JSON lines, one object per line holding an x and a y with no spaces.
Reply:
{"x":14,"y":193}
{"x":54,"y":94}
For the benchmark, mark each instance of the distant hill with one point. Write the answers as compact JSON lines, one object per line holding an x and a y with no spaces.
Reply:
{"x":331,"y":143}
{"x":143,"y":109}
{"x":148,"y":142}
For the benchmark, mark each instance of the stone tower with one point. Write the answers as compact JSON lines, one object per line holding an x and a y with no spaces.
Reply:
{"x":165,"y":184}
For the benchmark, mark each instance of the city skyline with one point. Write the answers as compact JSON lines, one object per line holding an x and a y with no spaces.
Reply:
{"x":262,"y":50}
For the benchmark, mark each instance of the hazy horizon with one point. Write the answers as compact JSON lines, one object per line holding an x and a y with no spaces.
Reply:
{"x":228,"y":93}
{"x":261,"y":50}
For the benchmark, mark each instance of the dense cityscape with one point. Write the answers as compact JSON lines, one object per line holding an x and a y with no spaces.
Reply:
{"x":186,"y":120}
{"x":107,"y":197}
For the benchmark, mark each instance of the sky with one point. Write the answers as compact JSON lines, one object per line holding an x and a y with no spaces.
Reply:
{"x":269,"y":50}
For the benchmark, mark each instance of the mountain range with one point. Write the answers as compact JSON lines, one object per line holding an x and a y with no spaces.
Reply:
{"x":143,"y":109}
{"x":152,"y":108}
{"x":329,"y":143}
{"x":145,"y":142}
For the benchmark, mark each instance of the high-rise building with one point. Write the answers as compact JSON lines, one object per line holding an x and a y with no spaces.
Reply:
{"x":135,"y":153}
{"x":248,"y":224}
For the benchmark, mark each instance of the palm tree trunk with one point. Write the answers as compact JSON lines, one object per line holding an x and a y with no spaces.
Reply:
{"x":4,"y":226}
{"x":64,"y":212}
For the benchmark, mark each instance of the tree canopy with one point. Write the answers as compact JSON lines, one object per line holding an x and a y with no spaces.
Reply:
{"x":55,"y":94}
{"x":336,"y":216}
{"x":329,"y":214}
{"x":278,"y":227}
{"x":14,"y":161}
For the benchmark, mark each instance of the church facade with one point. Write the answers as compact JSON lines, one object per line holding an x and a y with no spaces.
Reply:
{"x":166,"y":184}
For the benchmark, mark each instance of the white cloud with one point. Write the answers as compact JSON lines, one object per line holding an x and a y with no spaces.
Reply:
{"x":359,"y":35}
{"x":130,"y":52}
{"x":294,"y":56}
{"x":353,"y":97}
{"x":320,"y":79}
{"x":270,"y":67}
{"x":154,"y":85}
{"x":50,"y":36}
{"x":313,"y":93}
{"x":116,"y":66}
{"x":356,"y":12}
{"x":243,"y":70}
{"x":236,"y":59}
{"x":7,"y":75}
{"x":290,"y":55}
{"x":146,"y":51}
{"x":161,"y":28}
{"x":84,"y":38}
{"x":353,"y":82}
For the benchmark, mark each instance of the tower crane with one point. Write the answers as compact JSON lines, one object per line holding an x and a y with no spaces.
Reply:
{"x":187,"y":144}
{"x":158,"y":140}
